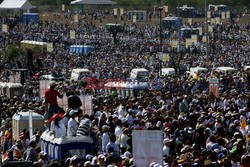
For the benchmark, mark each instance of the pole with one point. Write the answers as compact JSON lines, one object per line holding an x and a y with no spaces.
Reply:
{"x":179,"y":31}
{"x":160,"y":48}
{"x":207,"y":56}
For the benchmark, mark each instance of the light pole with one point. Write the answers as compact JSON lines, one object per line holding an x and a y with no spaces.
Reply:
{"x":179,"y":30}
{"x":206,"y":29}
{"x":160,"y":48}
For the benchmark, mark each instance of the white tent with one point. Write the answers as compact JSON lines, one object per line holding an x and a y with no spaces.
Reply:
{"x":15,"y":4}
{"x":93,"y":2}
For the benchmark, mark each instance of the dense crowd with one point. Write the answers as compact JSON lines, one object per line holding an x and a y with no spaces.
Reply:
{"x":199,"y":129}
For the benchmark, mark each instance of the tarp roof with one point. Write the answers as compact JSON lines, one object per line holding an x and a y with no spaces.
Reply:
{"x":93,"y":2}
{"x":16,"y":4}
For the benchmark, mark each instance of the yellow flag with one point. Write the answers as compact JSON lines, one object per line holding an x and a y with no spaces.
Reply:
{"x":243,"y":123}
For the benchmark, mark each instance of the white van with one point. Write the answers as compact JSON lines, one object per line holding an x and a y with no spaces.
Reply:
{"x":226,"y":69}
{"x":139,"y":73}
{"x":167,"y":71}
{"x":77,"y":74}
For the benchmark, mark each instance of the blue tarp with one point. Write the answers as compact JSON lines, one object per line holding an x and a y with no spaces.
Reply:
{"x":81,"y":49}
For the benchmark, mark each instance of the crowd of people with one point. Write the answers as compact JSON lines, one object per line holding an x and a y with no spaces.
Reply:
{"x":199,"y":129}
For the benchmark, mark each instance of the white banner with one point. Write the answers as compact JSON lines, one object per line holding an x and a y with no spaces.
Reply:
{"x":30,"y":124}
{"x":228,"y":14}
{"x":43,"y":86}
{"x":4,"y":28}
{"x":134,"y":19}
{"x":208,"y":14}
{"x":147,"y":147}
{"x":72,"y":34}
{"x":223,"y":15}
{"x":115,"y":11}
{"x":87,"y":104}
{"x":121,"y":11}
{"x":76,"y":18}
{"x":190,"y":21}
{"x":63,"y":7}
{"x":50,"y":47}
{"x":63,"y":102}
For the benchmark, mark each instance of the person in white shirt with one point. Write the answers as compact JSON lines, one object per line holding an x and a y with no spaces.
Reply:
{"x":118,"y":128}
{"x":105,"y":137}
{"x":123,"y":140}
{"x":72,"y":124}
{"x":57,"y":126}
{"x":166,"y":147}
{"x":130,"y":117}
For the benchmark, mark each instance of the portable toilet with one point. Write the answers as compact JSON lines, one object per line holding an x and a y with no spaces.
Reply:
{"x":20,"y":121}
{"x":56,"y":148}
{"x":88,"y":49}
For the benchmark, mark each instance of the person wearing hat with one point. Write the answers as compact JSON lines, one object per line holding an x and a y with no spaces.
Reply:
{"x":105,"y":138}
{"x":51,"y":99}
{"x":72,"y":124}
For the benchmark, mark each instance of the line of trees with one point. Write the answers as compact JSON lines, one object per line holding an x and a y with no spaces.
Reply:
{"x":196,"y":3}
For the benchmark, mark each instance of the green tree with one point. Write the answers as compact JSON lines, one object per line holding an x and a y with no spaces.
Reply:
{"x":11,"y":54}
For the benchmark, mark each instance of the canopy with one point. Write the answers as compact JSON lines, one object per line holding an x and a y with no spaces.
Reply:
{"x":15,"y":4}
{"x":93,"y":2}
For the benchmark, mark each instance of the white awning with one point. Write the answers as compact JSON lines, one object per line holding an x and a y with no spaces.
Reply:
{"x":15,"y":4}
{"x":93,"y":2}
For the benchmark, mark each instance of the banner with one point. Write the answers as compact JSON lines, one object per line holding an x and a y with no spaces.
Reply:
{"x":214,"y":86}
{"x":217,"y":20}
{"x":204,"y":39}
{"x":63,"y":102}
{"x":215,"y":8}
{"x":208,"y":14}
{"x":121,"y":11}
{"x":63,"y":7}
{"x":190,"y":21}
{"x":194,"y":39}
{"x":76,"y":18}
{"x":223,"y":15}
{"x":228,"y":14}
{"x":4,"y":28}
{"x":72,"y":34}
{"x":115,"y":11}
{"x":147,"y":147}
{"x":210,"y":29}
{"x":188,"y":42}
{"x":87,"y":104}
{"x":50,"y":47}
{"x":165,"y":57}
{"x":165,"y":8}
{"x":174,"y":44}
{"x":134,"y":19}
{"x":185,"y":6}
{"x":200,"y":30}
{"x":213,"y":21}
{"x":30,"y":124}
{"x":43,"y":86}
